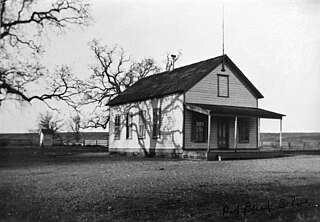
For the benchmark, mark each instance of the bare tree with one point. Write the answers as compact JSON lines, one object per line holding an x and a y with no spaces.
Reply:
{"x":74,"y":124}
{"x":22,"y":23}
{"x":17,"y":81}
{"x":16,"y":15}
{"x":49,"y":122}
{"x":112,"y":74}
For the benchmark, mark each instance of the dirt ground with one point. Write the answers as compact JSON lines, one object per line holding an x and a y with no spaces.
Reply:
{"x":96,"y":186}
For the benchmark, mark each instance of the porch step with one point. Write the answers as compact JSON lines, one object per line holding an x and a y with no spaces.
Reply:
{"x":243,"y":155}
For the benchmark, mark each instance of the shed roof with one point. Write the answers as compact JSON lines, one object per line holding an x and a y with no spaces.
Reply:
{"x":239,"y":111}
{"x":179,"y":80}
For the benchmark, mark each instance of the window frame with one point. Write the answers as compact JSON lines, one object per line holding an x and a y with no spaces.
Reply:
{"x":244,"y":130}
{"x":199,"y":125}
{"x":129,"y":124}
{"x":218,"y":83}
{"x":117,"y":127}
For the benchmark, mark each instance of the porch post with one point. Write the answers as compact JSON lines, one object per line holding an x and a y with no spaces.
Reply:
{"x":235,"y":133}
{"x":280,"y":133}
{"x":209,"y":130}
{"x":259,"y":138}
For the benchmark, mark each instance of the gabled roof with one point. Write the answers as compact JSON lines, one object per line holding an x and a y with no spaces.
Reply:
{"x":179,"y":80}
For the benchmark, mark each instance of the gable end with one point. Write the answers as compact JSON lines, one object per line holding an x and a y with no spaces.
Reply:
{"x":245,"y":81}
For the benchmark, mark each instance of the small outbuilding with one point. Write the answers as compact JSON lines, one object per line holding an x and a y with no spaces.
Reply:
{"x":46,"y":137}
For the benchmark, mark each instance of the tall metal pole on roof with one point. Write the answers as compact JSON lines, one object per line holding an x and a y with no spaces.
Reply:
{"x":223,"y":69}
{"x":223,"y":29}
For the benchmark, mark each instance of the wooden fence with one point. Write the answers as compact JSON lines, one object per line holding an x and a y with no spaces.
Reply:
{"x":104,"y":143}
{"x":291,"y":145}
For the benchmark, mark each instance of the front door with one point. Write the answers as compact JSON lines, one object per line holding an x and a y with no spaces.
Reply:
{"x":223,"y":134}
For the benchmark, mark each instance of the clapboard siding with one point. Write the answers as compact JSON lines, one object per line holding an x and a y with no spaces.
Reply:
{"x":206,"y":91}
{"x":171,"y":125}
{"x":214,"y":134}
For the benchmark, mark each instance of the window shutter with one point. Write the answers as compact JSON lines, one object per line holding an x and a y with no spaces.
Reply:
{"x":129,"y":126}
{"x":159,"y":124}
{"x":117,"y":128}
{"x":193,"y":127}
{"x":142,"y":124}
{"x":154,"y":123}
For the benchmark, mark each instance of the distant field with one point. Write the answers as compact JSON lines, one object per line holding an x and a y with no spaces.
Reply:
{"x":33,"y":138}
{"x":291,"y":141}
{"x":291,"y":137}
{"x":83,"y":135}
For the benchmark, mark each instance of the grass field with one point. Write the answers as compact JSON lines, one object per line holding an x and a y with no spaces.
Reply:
{"x":291,"y":137}
{"x":86,"y":185}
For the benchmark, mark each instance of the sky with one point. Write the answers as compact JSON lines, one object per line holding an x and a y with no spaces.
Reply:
{"x":275,"y":43}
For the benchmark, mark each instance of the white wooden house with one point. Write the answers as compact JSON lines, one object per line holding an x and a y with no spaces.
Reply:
{"x":200,"y":108}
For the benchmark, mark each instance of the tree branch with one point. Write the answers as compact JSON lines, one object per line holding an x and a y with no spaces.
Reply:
{"x":112,"y":74}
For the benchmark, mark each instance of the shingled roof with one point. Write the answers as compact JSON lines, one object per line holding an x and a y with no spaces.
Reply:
{"x":179,"y":80}
{"x":239,"y":111}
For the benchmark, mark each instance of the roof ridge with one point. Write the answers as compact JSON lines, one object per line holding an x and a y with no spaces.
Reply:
{"x":182,"y":67}
{"x":197,"y":63}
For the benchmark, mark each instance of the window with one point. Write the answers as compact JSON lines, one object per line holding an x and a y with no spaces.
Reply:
{"x":129,"y":125}
{"x":223,"y":85}
{"x":199,"y":127}
{"x":142,"y":125}
{"x":117,"y":128}
{"x":156,"y":123}
{"x":244,"y":130}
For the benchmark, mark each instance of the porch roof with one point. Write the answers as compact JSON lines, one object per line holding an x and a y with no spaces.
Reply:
{"x":235,"y":111}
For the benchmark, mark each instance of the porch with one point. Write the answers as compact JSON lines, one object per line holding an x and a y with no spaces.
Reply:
{"x":226,"y":131}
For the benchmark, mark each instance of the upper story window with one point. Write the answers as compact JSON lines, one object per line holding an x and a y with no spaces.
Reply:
{"x":117,"y":127}
{"x":223,"y":85}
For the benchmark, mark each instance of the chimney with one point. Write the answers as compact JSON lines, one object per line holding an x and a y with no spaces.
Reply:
{"x":173,"y":60}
